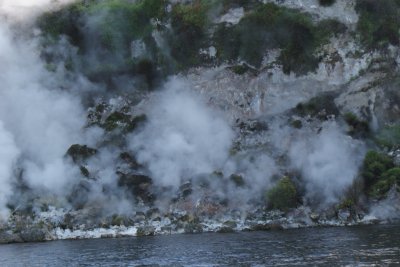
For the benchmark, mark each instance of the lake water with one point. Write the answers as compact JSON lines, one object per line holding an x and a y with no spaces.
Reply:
{"x":343,"y":246}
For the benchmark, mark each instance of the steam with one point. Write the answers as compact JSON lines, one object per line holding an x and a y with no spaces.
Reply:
{"x":183,"y":138}
{"x":329,"y":163}
{"x":22,"y":10}
{"x":38,"y":120}
{"x":8,"y":155}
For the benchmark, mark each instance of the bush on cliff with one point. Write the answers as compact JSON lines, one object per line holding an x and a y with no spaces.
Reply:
{"x":283,"y":195}
{"x":379,"y":22}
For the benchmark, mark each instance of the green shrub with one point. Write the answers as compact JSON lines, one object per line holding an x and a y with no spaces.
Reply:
{"x":189,"y":24}
{"x":379,"y":22}
{"x":388,"y":180}
{"x":271,"y":26}
{"x":67,"y":21}
{"x":375,"y":164}
{"x":104,"y":30}
{"x":283,"y":195}
{"x":346,"y":204}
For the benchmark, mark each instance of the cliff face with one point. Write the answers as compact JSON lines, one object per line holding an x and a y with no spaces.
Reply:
{"x":162,"y":116}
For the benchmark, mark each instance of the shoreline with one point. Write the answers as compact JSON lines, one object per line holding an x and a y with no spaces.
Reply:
{"x":41,"y":232}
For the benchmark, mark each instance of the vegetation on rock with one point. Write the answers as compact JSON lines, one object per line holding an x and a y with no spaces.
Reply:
{"x":320,"y":106}
{"x":283,"y":195}
{"x":271,"y":27}
{"x":375,"y":164}
{"x":389,"y":137}
{"x":379,"y":22}
{"x":379,"y":174}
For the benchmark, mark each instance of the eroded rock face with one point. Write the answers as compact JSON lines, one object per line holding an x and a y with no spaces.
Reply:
{"x":139,"y":185}
{"x":268,"y":104}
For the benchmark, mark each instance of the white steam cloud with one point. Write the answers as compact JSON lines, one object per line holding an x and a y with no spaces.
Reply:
{"x":183,"y":137}
{"x":22,"y":10}
{"x":329,"y":163}
{"x":38,"y":120}
{"x":43,"y":120}
{"x":8,"y":156}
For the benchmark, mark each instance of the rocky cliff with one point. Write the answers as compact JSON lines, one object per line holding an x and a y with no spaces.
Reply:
{"x":154,"y":116}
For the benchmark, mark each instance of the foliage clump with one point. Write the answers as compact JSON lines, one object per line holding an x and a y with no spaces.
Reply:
{"x":270,"y":26}
{"x":283,"y":195}
{"x":380,"y":174}
{"x":374,"y":165}
{"x":388,"y":179}
{"x":379,"y":22}
{"x":103,"y":32}
{"x":189,"y":24}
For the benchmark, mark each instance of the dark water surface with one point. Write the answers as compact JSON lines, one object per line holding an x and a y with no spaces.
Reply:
{"x":341,"y":246}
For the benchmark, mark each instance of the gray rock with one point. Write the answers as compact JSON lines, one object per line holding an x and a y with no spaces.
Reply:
{"x":7,"y":237}
{"x":34,"y":235}
{"x":145,"y":231}
{"x":225,"y":229}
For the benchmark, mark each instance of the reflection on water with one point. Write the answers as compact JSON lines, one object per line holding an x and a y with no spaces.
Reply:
{"x":349,"y":246}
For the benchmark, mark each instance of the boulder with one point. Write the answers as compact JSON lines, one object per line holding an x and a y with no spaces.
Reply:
{"x":145,"y":231}
{"x":80,"y":153}
{"x":7,"y":237}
